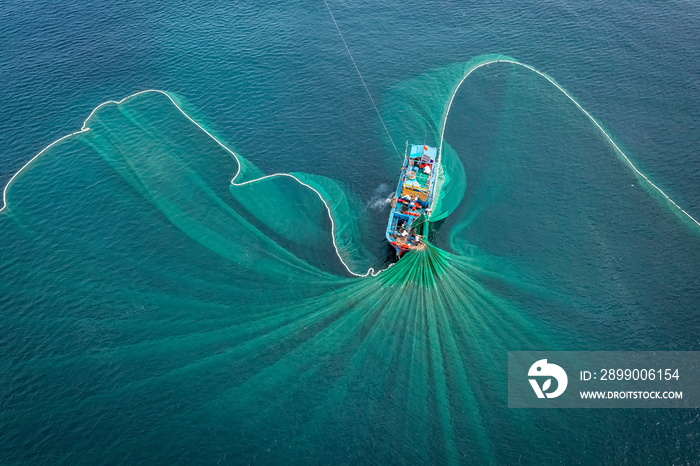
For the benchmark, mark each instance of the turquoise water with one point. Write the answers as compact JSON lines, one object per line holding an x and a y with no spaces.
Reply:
{"x":153,"y":312}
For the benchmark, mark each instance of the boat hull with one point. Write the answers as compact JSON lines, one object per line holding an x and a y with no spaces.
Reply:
{"x":410,"y":207}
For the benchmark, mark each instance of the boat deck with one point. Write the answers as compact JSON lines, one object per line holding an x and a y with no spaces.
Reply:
{"x":413,"y":198}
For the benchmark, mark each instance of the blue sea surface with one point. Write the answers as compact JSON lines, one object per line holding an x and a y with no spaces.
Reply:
{"x":151,"y":312}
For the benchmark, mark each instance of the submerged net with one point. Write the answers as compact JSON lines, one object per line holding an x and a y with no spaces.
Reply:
{"x":235,"y":303}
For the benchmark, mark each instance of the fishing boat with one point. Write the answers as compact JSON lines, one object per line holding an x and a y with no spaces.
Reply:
{"x":410,"y":207}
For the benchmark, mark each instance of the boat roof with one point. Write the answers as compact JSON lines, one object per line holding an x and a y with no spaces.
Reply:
{"x":417,"y":150}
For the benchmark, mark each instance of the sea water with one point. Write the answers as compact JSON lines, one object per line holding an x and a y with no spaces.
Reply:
{"x":153,"y":311}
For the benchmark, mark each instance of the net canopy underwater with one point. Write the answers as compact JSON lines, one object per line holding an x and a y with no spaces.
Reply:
{"x":164,"y":270}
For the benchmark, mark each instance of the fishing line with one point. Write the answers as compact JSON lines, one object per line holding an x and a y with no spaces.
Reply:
{"x":361,"y":79}
{"x":590,"y":117}
{"x":85,"y":128}
{"x":371,"y":271}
